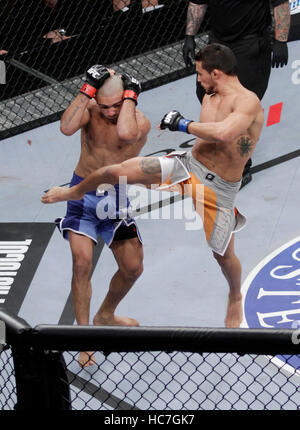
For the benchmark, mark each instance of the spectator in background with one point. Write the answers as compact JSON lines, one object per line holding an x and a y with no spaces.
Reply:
{"x":102,"y":36}
{"x":244,"y":26}
{"x":29,"y":31}
{"x":51,"y":3}
{"x":32,"y":38}
{"x":24,"y":25}
{"x":147,"y":5}
{"x":57,"y":35}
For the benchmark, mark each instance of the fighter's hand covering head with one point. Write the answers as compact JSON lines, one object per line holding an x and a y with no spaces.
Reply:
{"x":174,"y":121}
{"x":280,"y":53}
{"x":95,"y":76}
{"x":132,"y":87}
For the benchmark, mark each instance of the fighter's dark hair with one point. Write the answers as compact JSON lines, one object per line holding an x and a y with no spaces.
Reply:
{"x":216,"y":56}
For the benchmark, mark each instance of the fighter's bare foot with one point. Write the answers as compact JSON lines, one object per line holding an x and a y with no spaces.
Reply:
{"x":86,"y":359}
{"x":234,"y":314}
{"x":60,"y":194}
{"x":115,"y":321}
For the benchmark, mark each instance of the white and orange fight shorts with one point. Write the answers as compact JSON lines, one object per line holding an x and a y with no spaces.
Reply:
{"x":213,"y":197}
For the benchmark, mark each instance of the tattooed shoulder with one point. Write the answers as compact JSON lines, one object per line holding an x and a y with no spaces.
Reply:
{"x":150,"y":165}
{"x":245,"y":145}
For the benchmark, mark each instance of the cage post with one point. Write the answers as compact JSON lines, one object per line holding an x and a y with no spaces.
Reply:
{"x":41,"y":379}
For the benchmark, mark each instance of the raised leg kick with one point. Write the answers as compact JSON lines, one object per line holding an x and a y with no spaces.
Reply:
{"x":138,"y":170}
{"x":215,"y":164}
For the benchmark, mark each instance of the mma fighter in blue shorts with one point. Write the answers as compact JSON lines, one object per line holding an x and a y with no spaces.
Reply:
{"x":112,"y":131}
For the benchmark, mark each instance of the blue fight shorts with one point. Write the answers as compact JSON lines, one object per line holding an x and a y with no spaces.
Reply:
{"x":98,"y":215}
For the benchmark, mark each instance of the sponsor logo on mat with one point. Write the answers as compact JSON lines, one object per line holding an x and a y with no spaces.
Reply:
{"x":272,"y":296}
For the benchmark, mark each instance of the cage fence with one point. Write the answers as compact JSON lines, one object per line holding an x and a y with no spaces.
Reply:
{"x":181,"y":381}
{"x":49,"y":50}
{"x":148,"y":368}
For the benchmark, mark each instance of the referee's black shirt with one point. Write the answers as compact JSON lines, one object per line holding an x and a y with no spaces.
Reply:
{"x":233,"y":19}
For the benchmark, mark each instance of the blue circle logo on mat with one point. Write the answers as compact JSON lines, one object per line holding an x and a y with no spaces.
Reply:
{"x":271,"y":293}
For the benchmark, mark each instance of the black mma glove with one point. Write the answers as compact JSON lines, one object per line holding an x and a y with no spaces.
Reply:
{"x":132,"y":87}
{"x":188,"y":50}
{"x":95,"y":76}
{"x":280,"y":54}
{"x":174,"y":121}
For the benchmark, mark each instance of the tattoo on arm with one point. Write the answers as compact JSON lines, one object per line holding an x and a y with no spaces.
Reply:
{"x":72,"y":114}
{"x":282,"y":21}
{"x":195,"y":15}
{"x":150,"y":165}
{"x":245,"y":145}
{"x":77,"y":105}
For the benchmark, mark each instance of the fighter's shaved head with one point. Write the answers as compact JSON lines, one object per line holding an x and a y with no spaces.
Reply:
{"x":111,"y":86}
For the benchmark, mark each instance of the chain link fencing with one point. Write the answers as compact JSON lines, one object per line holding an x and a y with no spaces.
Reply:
{"x":170,"y":381}
{"x":8,"y":394}
{"x":48,"y":49}
{"x":182,"y":381}
{"x":148,"y":368}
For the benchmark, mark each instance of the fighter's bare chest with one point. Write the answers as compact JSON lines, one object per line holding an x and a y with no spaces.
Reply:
{"x":215,"y":110}
{"x":101,"y":138}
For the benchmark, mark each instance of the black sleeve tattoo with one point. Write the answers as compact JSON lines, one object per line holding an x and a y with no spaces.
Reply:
{"x":282,"y":21}
{"x":195,"y":15}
